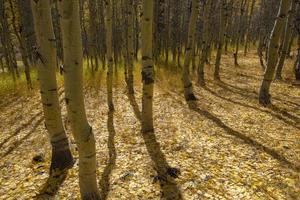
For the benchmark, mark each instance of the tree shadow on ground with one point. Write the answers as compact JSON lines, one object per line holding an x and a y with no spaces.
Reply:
{"x":250,"y":93}
{"x":134,"y":106}
{"x":165,"y":174}
{"x":18,"y":130}
{"x":246,"y":139}
{"x":17,"y":143}
{"x":278,"y":116}
{"x":52,"y":185}
{"x":104,"y":181}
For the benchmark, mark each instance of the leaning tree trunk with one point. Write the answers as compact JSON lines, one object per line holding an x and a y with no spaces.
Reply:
{"x":46,"y":55}
{"x":187,"y":83}
{"x":73,"y":75}
{"x":264,"y":96}
{"x":286,"y":42}
{"x":147,"y":66}
{"x":109,"y":29}
{"x":223,"y":19}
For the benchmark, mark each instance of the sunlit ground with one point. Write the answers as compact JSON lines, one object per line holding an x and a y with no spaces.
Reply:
{"x":229,"y":147}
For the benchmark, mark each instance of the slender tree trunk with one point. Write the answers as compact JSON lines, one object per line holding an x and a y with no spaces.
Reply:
{"x":297,"y":62}
{"x":239,"y":33}
{"x":6,"y":41}
{"x":223,"y":19}
{"x":248,"y":27}
{"x":264,"y":96}
{"x":109,"y":29}
{"x":46,"y":60}
{"x":205,"y":43}
{"x":27,"y":28}
{"x":167,"y":31}
{"x":21,"y":42}
{"x":286,"y":41}
{"x":130,"y":21}
{"x":186,"y":80}
{"x":73,"y":75}
{"x":147,"y":66}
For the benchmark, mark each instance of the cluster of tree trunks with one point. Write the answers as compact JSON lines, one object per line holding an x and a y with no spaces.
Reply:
{"x":111,"y":32}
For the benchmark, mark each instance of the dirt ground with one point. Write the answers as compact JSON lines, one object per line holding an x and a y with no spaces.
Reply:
{"x":229,"y":147}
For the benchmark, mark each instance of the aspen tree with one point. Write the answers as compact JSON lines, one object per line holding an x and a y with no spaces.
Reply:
{"x":223,"y":19}
{"x":167,"y":31}
{"x":286,"y":41}
{"x":27,"y":27}
{"x":264,"y":96}
{"x":147,"y":66}
{"x":297,"y":62}
{"x":109,"y":33}
{"x":130,"y":21}
{"x":92,"y":35}
{"x":248,"y":27}
{"x":61,"y":155}
{"x":205,"y":43}
{"x":22,"y":44}
{"x":239,"y":33}
{"x":261,"y":36}
{"x":73,"y":76}
{"x":6,"y":41}
{"x":187,"y":83}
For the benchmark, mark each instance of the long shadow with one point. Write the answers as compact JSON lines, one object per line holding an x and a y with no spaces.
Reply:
{"x":252,"y":107}
{"x":284,"y":113}
{"x":241,"y":92}
{"x":135,"y":106}
{"x":52,"y":185}
{"x":28,"y":123}
{"x":104,"y":181}
{"x":165,"y":174}
{"x":11,"y":102}
{"x":19,"y":142}
{"x":244,"y":138}
{"x":18,"y":130}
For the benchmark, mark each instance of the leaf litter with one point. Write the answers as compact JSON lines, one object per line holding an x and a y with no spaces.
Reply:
{"x":228,"y":148}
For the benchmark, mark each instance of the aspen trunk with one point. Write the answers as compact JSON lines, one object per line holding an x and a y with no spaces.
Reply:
{"x":6,"y":41}
{"x":21,"y":42}
{"x":109,"y":32}
{"x":61,"y":155}
{"x":167,"y":31}
{"x":238,"y":37}
{"x":264,"y":96}
{"x":27,"y":31}
{"x":248,"y":27}
{"x":92,"y":34}
{"x":73,"y":76}
{"x":130,"y":38}
{"x":286,"y":41}
{"x":187,"y":83}
{"x":223,"y":8}
{"x":147,"y":66}
{"x":297,"y":62}
{"x":205,"y":44}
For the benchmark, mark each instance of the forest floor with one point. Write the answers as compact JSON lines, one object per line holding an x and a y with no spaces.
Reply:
{"x":229,"y":147}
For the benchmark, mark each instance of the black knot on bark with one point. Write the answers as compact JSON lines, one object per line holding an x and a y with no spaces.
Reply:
{"x":147,"y":78}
